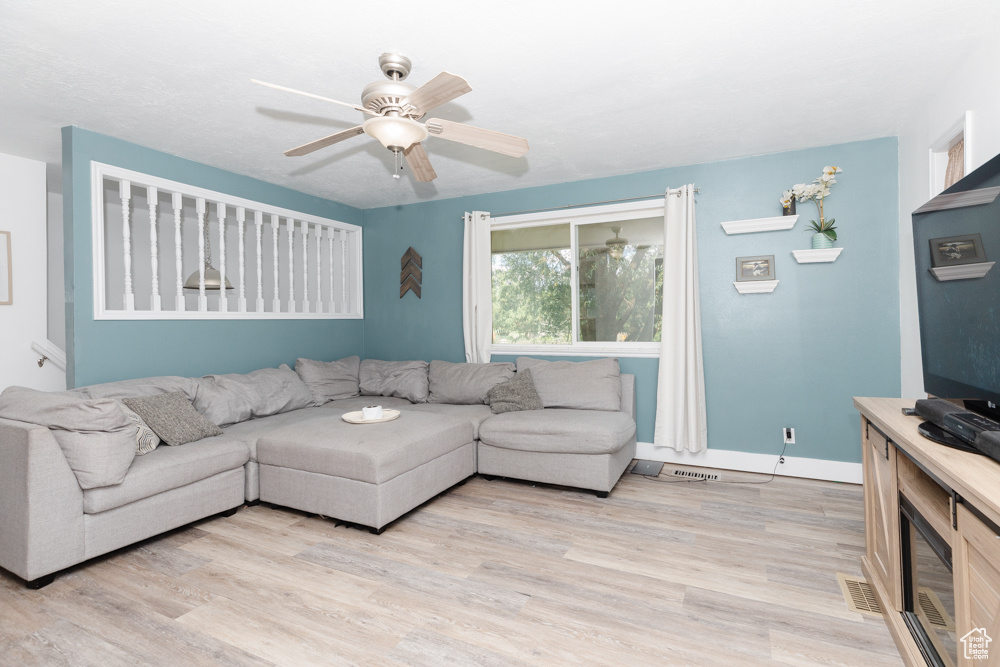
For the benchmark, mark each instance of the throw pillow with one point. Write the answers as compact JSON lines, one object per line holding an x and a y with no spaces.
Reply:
{"x":581,"y":385}
{"x":145,"y":440}
{"x":330,"y":380}
{"x":465,"y":384}
{"x":515,"y":395}
{"x":172,"y":417}
{"x":405,"y":379}
{"x":95,"y":436}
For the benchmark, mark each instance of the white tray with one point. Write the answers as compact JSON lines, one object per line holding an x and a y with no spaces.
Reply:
{"x":357,"y":417}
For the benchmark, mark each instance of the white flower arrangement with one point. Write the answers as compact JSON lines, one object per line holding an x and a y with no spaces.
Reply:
{"x":817,"y":191}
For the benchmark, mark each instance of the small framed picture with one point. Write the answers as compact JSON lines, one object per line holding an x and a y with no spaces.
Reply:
{"x":6,"y":271}
{"x":952,"y":250}
{"x":760,"y":267}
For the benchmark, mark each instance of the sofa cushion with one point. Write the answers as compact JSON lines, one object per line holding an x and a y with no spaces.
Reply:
{"x":405,"y":379}
{"x":473,"y":414}
{"x":173,"y":418}
{"x":145,"y":440}
{"x":164,"y":384}
{"x":583,"y":385}
{"x":252,"y":430}
{"x":372,"y":453}
{"x":465,"y":384}
{"x":95,"y":436}
{"x":514,"y":395}
{"x":330,"y":380}
{"x":236,"y":397}
{"x":342,"y":405}
{"x":559,"y":430}
{"x":168,"y":468}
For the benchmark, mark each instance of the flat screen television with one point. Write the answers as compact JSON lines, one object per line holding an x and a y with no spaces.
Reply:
{"x":956,"y":240}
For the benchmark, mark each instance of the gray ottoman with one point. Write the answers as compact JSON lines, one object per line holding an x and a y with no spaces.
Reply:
{"x":588,"y":449}
{"x":369,"y":474}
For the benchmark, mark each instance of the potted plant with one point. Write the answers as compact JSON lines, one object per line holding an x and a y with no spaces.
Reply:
{"x":824,"y":233}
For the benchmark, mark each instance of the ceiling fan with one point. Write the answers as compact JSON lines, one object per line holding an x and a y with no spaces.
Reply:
{"x":395,"y":107}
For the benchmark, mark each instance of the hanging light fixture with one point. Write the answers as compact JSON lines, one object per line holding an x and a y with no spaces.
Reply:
{"x":616,"y":246}
{"x":213,"y":279}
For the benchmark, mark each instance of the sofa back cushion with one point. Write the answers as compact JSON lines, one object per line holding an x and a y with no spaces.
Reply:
{"x":581,"y":385}
{"x":234,"y":397}
{"x":164,"y":384}
{"x":405,"y":379}
{"x":330,"y":380}
{"x":95,"y":436}
{"x":465,"y":384}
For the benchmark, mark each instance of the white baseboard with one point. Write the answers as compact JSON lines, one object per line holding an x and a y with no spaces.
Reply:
{"x":724,"y":459}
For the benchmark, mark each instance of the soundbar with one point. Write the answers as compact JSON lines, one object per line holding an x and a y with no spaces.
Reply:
{"x":972,"y":431}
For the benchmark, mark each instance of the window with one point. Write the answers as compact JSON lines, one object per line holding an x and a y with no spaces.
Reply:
{"x":584,"y":281}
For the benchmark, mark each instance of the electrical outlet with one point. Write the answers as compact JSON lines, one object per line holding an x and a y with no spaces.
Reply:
{"x":788,"y":435}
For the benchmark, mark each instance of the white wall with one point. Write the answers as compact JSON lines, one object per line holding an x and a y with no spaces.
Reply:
{"x":23,"y":214}
{"x":972,"y":87}
{"x":56,"y":273}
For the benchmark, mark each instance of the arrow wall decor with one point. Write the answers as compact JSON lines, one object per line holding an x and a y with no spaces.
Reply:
{"x":411,"y":274}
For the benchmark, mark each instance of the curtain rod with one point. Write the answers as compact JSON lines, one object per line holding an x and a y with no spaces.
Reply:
{"x":593,"y":203}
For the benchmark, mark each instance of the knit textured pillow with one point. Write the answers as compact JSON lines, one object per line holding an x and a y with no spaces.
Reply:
{"x":145,"y":440}
{"x":514,"y":395}
{"x":172,"y":417}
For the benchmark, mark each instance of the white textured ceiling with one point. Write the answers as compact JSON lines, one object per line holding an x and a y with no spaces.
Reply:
{"x":597,"y":88}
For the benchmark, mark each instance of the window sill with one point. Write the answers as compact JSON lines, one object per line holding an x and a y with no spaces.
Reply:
{"x":646,"y":350}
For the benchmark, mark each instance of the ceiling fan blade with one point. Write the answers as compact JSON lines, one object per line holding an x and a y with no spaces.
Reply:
{"x":315,"y":97}
{"x":416,"y":157}
{"x":305,"y":149}
{"x":498,"y":142}
{"x":442,"y":88}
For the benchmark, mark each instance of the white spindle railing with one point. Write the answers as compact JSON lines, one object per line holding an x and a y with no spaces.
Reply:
{"x":128,"y":285}
{"x":177,"y":203}
{"x":125,"y":193}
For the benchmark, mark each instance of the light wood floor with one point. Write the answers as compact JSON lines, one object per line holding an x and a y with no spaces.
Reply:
{"x":490,"y":573}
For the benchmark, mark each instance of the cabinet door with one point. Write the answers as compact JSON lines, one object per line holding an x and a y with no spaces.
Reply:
{"x":976,"y":562}
{"x":882,"y":514}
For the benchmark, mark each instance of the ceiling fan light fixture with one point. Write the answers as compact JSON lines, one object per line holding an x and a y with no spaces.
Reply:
{"x":395,"y":132}
{"x":616,"y":246}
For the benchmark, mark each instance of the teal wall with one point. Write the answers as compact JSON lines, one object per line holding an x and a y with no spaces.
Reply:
{"x":791,"y":358}
{"x":112,"y":350}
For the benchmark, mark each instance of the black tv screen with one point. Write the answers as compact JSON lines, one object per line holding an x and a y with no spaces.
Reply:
{"x":958,"y":288}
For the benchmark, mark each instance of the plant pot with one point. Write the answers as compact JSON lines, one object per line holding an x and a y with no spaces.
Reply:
{"x":821,"y":241}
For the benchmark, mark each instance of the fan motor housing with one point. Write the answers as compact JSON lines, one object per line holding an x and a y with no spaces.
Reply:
{"x":382,"y":95}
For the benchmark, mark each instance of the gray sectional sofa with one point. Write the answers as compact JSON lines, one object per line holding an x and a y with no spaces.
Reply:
{"x":72,"y":486}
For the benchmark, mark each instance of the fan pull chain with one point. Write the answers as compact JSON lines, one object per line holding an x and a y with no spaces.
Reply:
{"x":398,"y":155}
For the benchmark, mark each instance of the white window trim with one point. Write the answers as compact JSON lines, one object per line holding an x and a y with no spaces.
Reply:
{"x":576,"y":217}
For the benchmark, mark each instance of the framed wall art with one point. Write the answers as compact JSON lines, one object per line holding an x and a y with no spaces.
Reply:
{"x":6,"y":271}
{"x":758,"y":267}
{"x":962,"y":249}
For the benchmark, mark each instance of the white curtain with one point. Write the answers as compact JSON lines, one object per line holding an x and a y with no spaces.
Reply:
{"x":680,"y":391}
{"x":477,"y":294}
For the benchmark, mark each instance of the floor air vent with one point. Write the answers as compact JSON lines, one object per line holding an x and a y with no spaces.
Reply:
{"x":932,"y":608}
{"x":712,"y":477}
{"x":858,"y":595}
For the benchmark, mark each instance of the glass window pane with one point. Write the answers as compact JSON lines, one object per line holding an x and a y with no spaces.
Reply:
{"x":621,"y":280}
{"x":531,"y":285}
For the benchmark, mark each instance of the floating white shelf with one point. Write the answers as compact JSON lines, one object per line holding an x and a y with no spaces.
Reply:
{"x":962,"y":271}
{"x":822,"y":255}
{"x":775,"y":224}
{"x":755,"y":286}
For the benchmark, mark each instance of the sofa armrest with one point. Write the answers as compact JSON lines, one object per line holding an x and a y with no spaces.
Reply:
{"x":41,"y":522}
{"x":628,"y":394}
